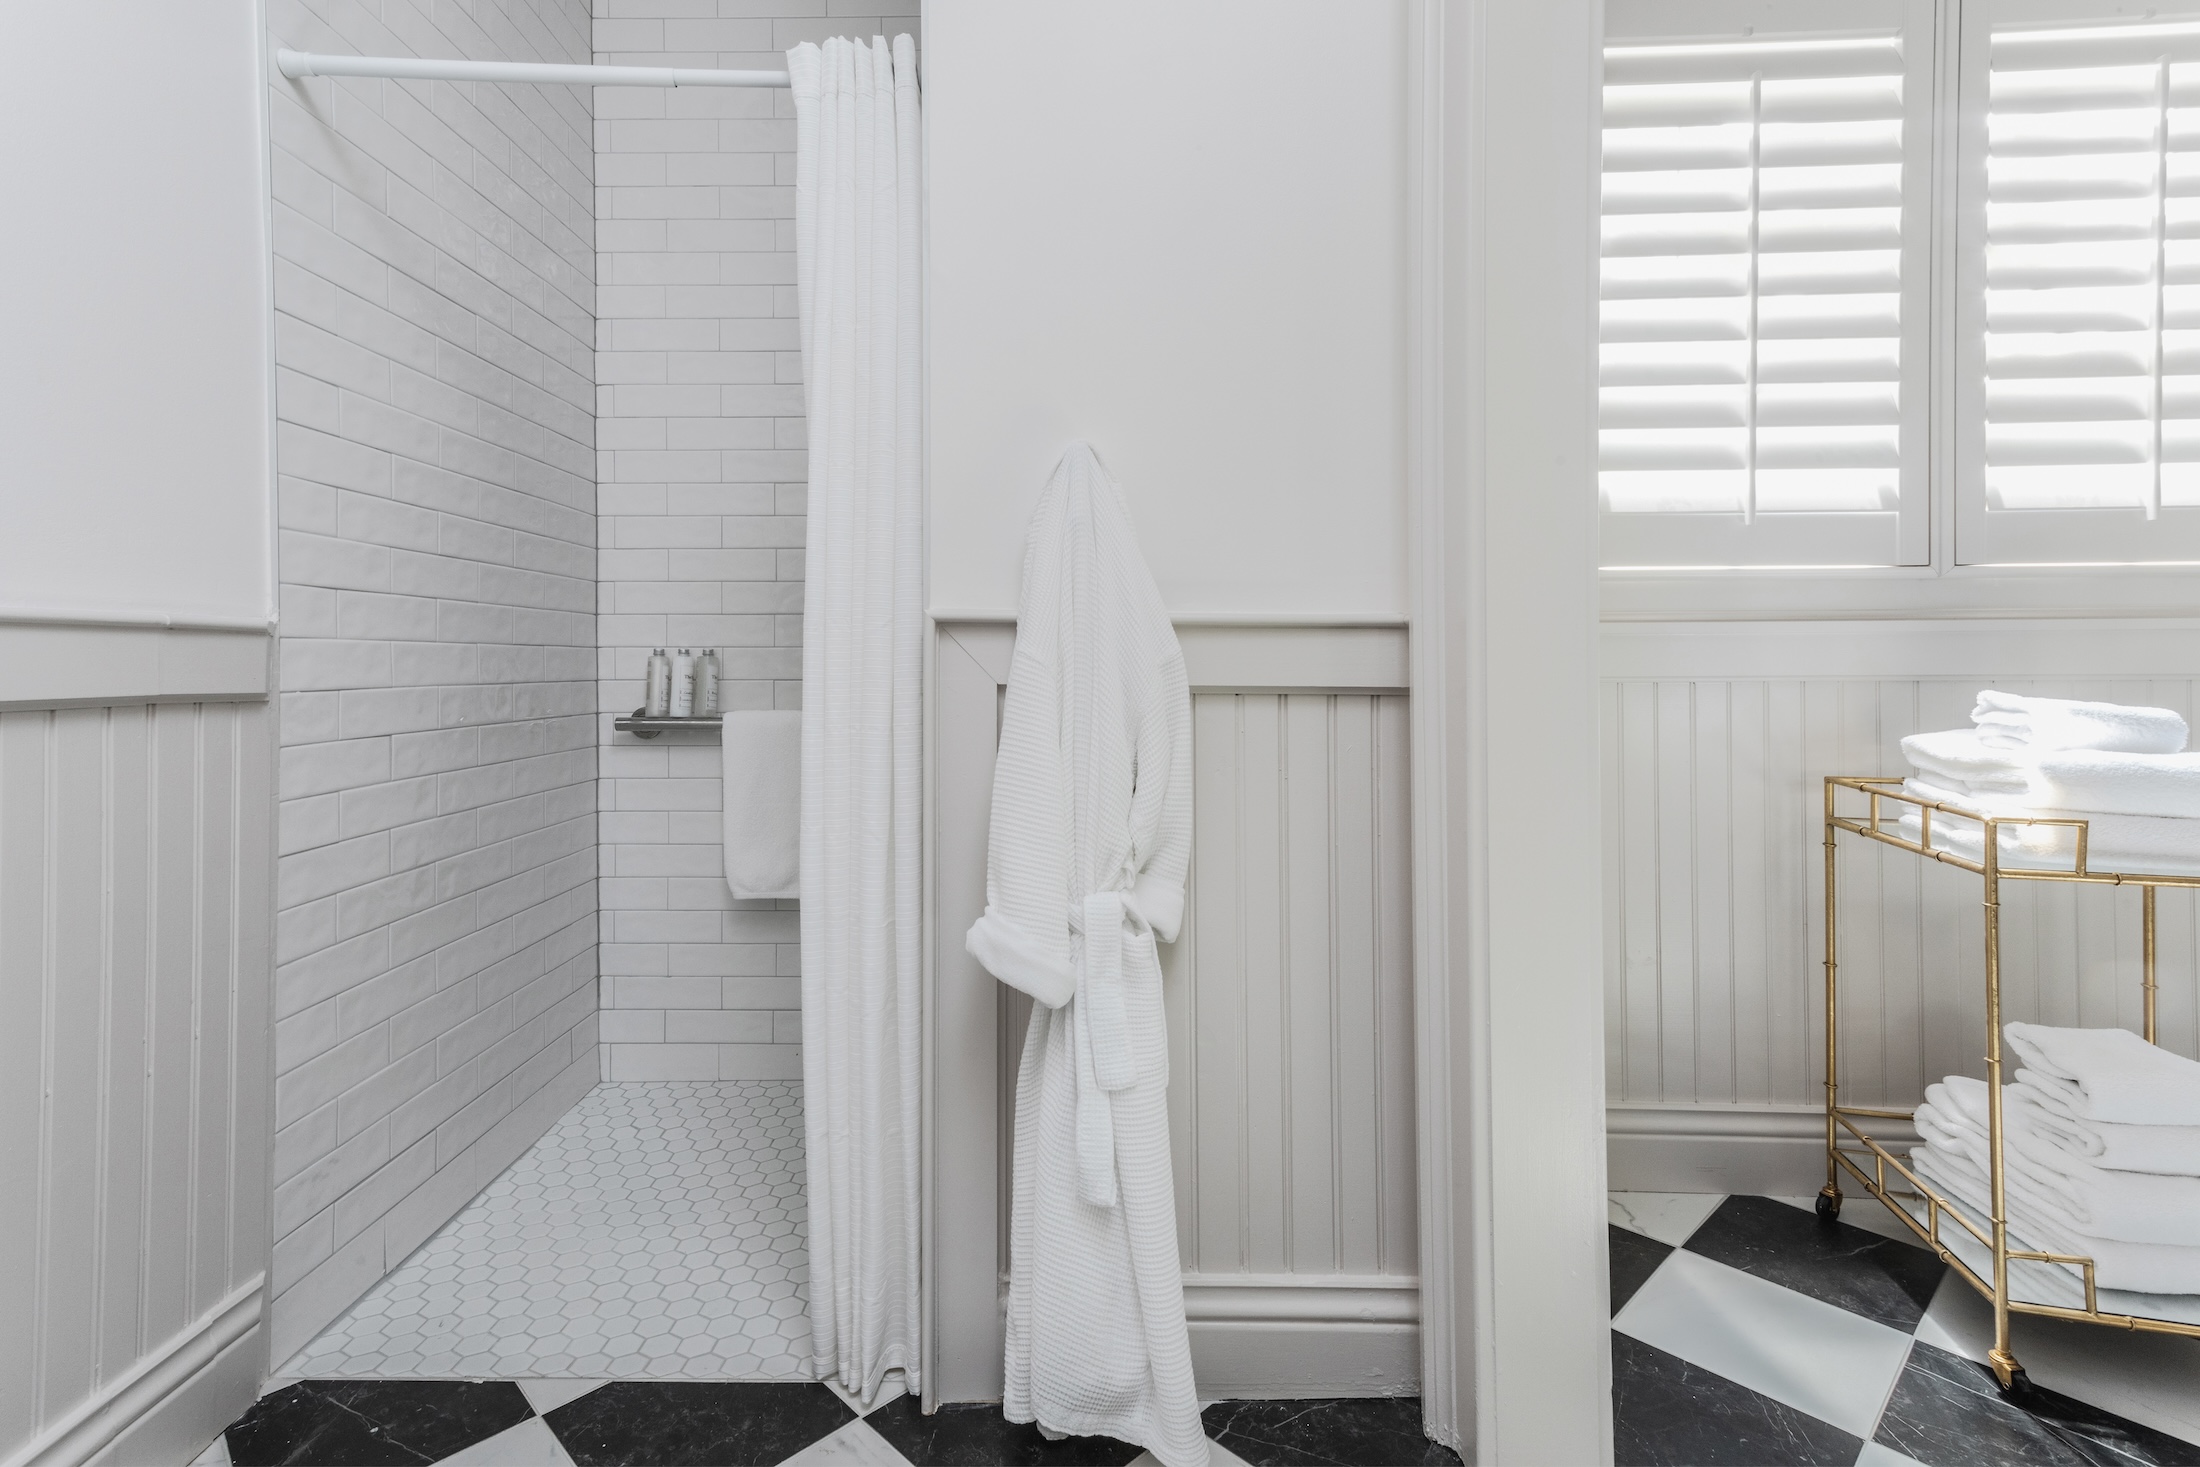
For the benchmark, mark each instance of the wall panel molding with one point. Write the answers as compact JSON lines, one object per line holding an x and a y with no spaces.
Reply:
{"x":1768,"y":1151}
{"x":1716,"y":740}
{"x":78,"y":666}
{"x":2096,"y":647}
{"x":136,"y":878}
{"x":1294,"y":1176}
{"x":160,"y":1385}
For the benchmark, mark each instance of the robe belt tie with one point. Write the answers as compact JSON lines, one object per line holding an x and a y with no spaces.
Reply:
{"x":1100,"y":1035}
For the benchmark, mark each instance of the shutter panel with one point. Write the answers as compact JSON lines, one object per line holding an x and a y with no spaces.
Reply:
{"x":1758,"y":322}
{"x":2081,"y":416}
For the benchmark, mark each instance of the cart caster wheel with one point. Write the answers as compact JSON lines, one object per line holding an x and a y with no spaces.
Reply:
{"x":2020,"y":1392}
{"x":1829,"y":1204}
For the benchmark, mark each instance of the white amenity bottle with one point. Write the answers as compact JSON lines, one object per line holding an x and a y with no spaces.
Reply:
{"x":657,"y":694}
{"x":683,"y":684}
{"x":706,"y":683}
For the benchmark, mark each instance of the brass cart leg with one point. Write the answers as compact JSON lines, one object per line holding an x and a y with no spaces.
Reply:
{"x":2146,"y":907}
{"x":2006,"y":1369}
{"x":1829,"y":1197}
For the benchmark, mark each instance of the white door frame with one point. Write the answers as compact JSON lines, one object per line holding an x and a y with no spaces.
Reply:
{"x":1516,"y":1362}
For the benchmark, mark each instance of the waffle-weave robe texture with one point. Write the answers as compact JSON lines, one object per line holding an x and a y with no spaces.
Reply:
{"x":1091,"y":838}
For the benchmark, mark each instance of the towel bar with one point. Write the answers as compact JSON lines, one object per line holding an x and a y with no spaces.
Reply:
{"x":642,"y":726}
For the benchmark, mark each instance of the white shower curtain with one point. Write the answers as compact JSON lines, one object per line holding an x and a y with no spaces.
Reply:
{"x":856,"y":248}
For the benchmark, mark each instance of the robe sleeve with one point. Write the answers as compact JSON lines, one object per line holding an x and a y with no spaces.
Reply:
{"x":1023,"y":937}
{"x":1165,"y":777}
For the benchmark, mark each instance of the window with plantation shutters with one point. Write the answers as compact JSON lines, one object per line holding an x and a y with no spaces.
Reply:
{"x":2078,"y":405}
{"x":1763,"y":384}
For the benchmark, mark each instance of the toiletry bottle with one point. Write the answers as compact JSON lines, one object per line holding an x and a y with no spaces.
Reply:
{"x":683,"y":684}
{"x":706,"y":683}
{"x":657,"y":700}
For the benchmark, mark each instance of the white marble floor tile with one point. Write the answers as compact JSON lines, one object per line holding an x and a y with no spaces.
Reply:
{"x":854,"y":1445}
{"x":1668,"y":1217}
{"x":2151,"y":1379}
{"x":1218,"y":1455}
{"x":657,"y":1232}
{"x":1865,"y":1212}
{"x":547,"y":1395}
{"x":1875,"y":1455}
{"x":216,"y":1455}
{"x":529,"y":1444}
{"x":1815,"y":1357}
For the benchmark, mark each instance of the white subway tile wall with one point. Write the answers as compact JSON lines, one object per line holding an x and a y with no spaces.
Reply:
{"x":700,"y":502}
{"x":435,"y":282}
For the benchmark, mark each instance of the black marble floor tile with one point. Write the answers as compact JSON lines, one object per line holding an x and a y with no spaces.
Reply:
{"x":373,"y":1423}
{"x":696,"y":1423}
{"x":1634,"y":1259}
{"x":976,"y":1435}
{"x":1352,"y":1431}
{"x":1946,"y":1412}
{"x":1861,"y":1272}
{"x":1669,"y":1413}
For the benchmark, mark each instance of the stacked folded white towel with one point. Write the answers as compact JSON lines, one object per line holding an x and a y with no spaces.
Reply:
{"x":2100,"y":1153}
{"x":2014,"y":721}
{"x":2115,"y":767}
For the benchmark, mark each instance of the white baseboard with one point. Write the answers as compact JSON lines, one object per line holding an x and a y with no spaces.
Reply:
{"x":1773,"y":1151}
{"x":168,"y":1406}
{"x":1256,"y":1337}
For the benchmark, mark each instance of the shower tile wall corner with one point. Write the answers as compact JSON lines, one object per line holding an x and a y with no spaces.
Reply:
{"x":435,"y":287}
{"x":701,"y":484}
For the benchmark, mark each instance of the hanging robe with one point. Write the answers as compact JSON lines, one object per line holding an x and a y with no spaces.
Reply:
{"x":1090,"y":842}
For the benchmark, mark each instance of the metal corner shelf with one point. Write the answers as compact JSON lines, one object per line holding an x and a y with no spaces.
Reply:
{"x":1851,"y":1148}
{"x":642,"y":726}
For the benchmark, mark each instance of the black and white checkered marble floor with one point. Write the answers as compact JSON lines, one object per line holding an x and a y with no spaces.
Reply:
{"x":654,"y":1423}
{"x":1746,"y":1331}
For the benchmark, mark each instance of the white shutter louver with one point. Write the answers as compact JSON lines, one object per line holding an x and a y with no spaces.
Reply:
{"x":1755,"y":324}
{"x":2082,"y":410}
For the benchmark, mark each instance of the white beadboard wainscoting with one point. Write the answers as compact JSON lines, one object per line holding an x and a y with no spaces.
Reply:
{"x":136,"y":873}
{"x":1289,"y":998}
{"x":1716,"y":742}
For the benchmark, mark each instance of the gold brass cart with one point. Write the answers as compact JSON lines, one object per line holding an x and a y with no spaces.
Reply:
{"x":1874,"y":809}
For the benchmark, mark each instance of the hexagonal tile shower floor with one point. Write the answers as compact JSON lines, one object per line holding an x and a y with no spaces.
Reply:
{"x":657,"y":1232}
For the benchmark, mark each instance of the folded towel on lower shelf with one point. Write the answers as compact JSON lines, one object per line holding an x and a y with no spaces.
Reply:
{"x":2114,"y":1074}
{"x":2055,"y":1109}
{"x":2015,"y":721}
{"x":2144,"y":1268}
{"x":2170,"y":847}
{"x":2064,"y":1189}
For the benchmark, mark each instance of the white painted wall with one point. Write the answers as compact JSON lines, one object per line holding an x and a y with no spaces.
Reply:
{"x":133,"y":340}
{"x":136,"y":761}
{"x":1175,"y":231}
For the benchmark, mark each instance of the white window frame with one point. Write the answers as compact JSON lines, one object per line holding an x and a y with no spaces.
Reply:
{"x":1684,"y":563}
{"x":2046,"y":537}
{"x":1899,"y":537}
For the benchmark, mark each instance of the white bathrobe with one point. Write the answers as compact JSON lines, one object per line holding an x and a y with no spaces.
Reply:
{"x":1091,"y":838}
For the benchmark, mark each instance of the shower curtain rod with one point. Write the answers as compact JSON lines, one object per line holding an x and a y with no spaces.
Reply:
{"x":296,"y":64}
